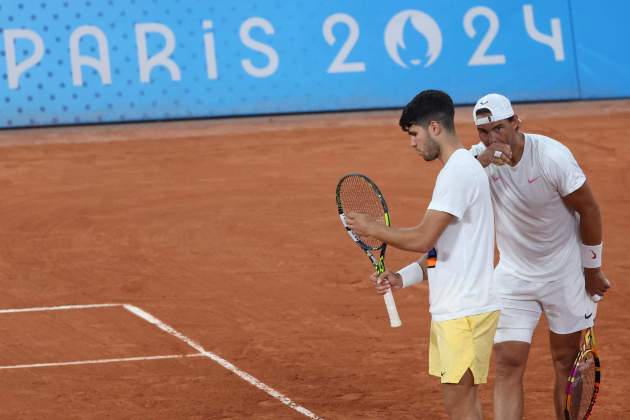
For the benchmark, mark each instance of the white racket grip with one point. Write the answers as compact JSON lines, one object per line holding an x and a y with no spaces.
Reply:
{"x":394,"y":319}
{"x":343,"y":220}
{"x":596,"y":298}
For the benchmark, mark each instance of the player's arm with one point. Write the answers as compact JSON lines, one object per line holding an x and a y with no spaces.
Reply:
{"x":477,"y":149}
{"x":583,"y":202}
{"x":420,"y":238}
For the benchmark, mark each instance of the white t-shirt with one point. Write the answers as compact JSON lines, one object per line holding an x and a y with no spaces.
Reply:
{"x":537,"y":235}
{"x":461,"y":283}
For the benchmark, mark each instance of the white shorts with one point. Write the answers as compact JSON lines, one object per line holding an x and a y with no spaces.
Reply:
{"x":566,"y":304}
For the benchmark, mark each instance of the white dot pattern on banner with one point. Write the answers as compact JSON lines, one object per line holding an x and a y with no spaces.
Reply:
{"x":47,"y":93}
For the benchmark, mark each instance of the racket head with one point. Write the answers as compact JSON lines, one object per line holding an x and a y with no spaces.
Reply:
{"x":583,"y":383}
{"x":358,"y":193}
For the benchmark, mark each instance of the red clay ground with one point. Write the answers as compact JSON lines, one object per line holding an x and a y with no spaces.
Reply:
{"x":227,"y":230}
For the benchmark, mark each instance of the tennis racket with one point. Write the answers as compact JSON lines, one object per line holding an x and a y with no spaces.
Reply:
{"x":583,"y":382}
{"x":357,"y":193}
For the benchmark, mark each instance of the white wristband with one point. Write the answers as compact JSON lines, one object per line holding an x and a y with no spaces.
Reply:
{"x":591,"y":255}
{"x":411,"y":274}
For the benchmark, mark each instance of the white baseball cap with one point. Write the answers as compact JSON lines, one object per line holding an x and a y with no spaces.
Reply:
{"x":499,"y":106}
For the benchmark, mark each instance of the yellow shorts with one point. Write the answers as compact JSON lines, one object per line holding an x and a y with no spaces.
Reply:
{"x":460,"y":344}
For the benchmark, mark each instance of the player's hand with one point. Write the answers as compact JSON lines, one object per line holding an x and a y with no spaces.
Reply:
{"x":496,"y":153}
{"x":387,"y":280}
{"x":595,"y":281}
{"x":361,"y":224}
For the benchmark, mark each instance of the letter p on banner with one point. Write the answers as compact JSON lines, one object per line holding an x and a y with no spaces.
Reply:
{"x":15,"y":69}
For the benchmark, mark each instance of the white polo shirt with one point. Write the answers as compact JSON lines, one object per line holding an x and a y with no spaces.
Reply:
{"x":537,"y":235}
{"x":461,"y":284}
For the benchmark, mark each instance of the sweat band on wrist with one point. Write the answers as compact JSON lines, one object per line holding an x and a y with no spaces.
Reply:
{"x":411,"y":274}
{"x":591,"y":255}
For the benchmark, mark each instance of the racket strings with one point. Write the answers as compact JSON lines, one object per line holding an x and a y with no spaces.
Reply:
{"x":357,"y":195}
{"x":583,"y":387}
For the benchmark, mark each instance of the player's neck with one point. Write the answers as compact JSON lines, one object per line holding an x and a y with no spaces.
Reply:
{"x":448,"y":146}
{"x":517,"y":148}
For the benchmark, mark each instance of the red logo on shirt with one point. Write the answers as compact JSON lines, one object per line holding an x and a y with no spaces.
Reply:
{"x":495,"y":178}
{"x":532,"y":180}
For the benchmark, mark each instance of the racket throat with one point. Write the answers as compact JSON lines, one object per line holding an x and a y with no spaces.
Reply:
{"x":380,"y":266}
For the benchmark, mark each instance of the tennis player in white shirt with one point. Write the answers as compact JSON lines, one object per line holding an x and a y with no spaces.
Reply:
{"x":459,"y":223}
{"x":549,"y":236}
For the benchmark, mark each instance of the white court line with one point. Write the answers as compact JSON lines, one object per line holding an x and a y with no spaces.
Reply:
{"x":172,"y":331}
{"x":99,"y":361}
{"x":229,"y":366}
{"x":59,"y":308}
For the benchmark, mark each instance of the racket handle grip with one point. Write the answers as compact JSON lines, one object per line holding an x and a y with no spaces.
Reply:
{"x":394,"y":319}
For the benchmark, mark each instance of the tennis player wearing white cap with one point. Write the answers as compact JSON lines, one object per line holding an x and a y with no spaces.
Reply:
{"x":549,"y":236}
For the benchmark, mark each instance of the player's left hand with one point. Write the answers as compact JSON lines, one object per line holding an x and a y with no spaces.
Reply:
{"x":361,"y":224}
{"x":595,"y":281}
{"x":386,"y":281}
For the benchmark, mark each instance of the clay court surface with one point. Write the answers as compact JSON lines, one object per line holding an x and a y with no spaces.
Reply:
{"x":226,"y":232}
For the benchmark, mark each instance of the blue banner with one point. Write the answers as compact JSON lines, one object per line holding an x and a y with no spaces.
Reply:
{"x":602,"y":44}
{"x":80,"y":61}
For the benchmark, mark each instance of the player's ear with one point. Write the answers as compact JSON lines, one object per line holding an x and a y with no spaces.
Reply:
{"x":435,"y":128}
{"x":516,"y":122}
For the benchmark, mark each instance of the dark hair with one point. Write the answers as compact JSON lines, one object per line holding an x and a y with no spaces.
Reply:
{"x":483,"y":111}
{"x":427,"y":106}
{"x":486,"y":110}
